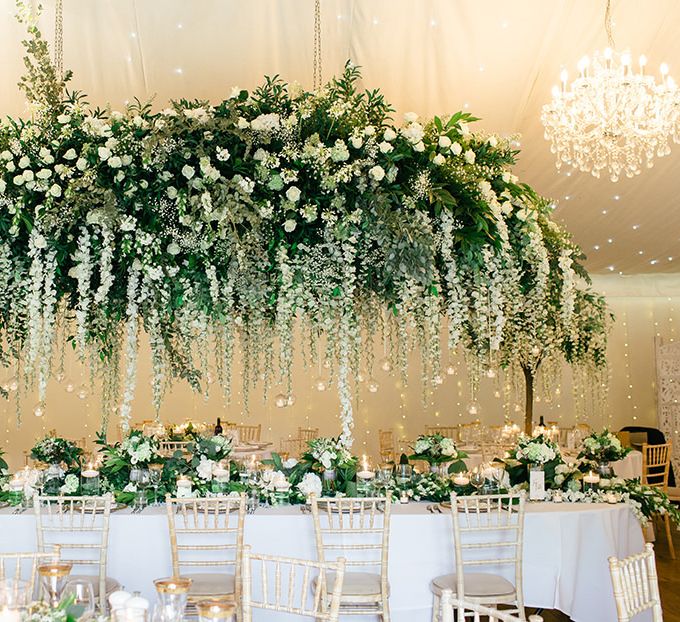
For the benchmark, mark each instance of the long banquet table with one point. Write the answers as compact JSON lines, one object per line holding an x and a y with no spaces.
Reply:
{"x":565,"y":551}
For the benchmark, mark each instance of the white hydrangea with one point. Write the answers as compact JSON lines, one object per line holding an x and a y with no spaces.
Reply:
{"x":310,"y":485}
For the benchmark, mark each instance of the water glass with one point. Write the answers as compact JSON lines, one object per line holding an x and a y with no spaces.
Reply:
{"x":404,"y":475}
{"x":54,"y":577}
{"x":155,"y":478}
{"x":215,"y":610}
{"x":14,"y":596}
{"x":172,"y":596}
{"x":82,"y":593}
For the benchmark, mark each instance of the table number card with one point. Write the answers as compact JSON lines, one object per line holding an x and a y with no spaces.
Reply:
{"x":536,"y":484}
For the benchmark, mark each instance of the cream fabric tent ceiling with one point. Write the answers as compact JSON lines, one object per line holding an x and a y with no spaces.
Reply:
{"x":496,"y":58}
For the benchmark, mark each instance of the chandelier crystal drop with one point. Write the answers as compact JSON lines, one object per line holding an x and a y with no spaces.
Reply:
{"x":612,"y":117}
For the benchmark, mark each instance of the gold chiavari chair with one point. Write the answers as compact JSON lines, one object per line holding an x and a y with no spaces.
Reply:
{"x":284,"y":584}
{"x":206,"y":535}
{"x":249,"y":433}
{"x":307,"y":434}
{"x":636,"y":585}
{"x":447,"y":431}
{"x":386,"y":445}
{"x":24,"y":567}
{"x":656,"y":464}
{"x":488,"y":532}
{"x":359,"y":530}
{"x":473,"y":611}
{"x":292,"y":448}
{"x":80,"y":526}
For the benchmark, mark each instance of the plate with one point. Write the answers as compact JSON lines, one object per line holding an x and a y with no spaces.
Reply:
{"x":115,"y":507}
{"x":355,"y":507}
{"x":483,"y":509}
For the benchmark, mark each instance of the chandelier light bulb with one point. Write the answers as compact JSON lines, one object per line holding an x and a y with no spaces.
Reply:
{"x":82,"y":392}
{"x":13,"y":384}
{"x":385,"y":365}
{"x":320,"y":385}
{"x":663,"y":69}
{"x":642,"y":61}
{"x":290,"y":400}
{"x":438,"y":380}
{"x":451,"y":370}
{"x":38,"y":411}
{"x":373,"y":386}
{"x":69,"y":388}
{"x":625,"y":59}
{"x":608,"y":53}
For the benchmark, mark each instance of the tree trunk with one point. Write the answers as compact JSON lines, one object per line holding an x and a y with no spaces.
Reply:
{"x":529,"y":401}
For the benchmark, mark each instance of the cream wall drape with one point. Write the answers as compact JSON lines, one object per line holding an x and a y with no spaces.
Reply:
{"x":631,"y":397}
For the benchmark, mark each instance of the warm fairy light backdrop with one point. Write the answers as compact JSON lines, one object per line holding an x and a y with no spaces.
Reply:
{"x":494,"y":58}
{"x":653,"y":311}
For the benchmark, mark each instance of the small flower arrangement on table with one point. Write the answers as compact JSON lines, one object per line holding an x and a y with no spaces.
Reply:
{"x":601,"y":449}
{"x":64,"y":458}
{"x":436,"y":449}
{"x":533,"y":451}
{"x":335,"y":463}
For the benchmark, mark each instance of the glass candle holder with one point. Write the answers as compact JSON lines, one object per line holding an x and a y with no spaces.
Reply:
{"x":14,"y":596}
{"x":172,"y":596}
{"x":15,"y":496}
{"x":89,"y":482}
{"x":282,"y":495}
{"x":215,"y":610}
{"x":53,"y":577}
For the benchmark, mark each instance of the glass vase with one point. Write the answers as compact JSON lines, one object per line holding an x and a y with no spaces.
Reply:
{"x":536,"y":482}
{"x":605,"y":470}
{"x":329,"y":482}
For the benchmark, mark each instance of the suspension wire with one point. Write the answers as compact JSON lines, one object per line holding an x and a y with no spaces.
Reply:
{"x":316,"y":78}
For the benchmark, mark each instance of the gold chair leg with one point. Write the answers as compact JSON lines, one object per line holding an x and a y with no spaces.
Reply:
{"x":435,"y":608}
{"x":669,"y":535}
{"x":385,"y":609}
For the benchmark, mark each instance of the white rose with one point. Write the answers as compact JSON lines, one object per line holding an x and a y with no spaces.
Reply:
{"x":18,"y":180}
{"x":389,"y":134}
{"x":444,"y":142}
{"x":290,"y":463}
{"x":456,"y":149}
{"x":188,"y":171}
{"x":6,"y":155}
{"x":410,"y":117}
{"x":44,"y":173}
{"x":205,"y":468}
{"x":439,"y":159}
{"x":385,"y":147}
{"x":55,"y":190}
{"x":173,"y":248}
{"x":242,"y":123}
{"x":369,"y":130}
{"x":3,"y":186}
{"x":493,"y":141}
{"x":289,"y":225}
{"x":63,"y":119}
{"x":70,"y":155}
{"x":377,"y":173}
{"x":293,"y":194}
{"x":419,"y":147}
{"x":29,"y":175}
{"x":104,"y":153}
{"x":470,"y":156}
{"x":81,"y":164}
{"x":24,"y":162}
{"x":115,"y":162}
{"x":310,"y":484}
{"x":356,"y":141}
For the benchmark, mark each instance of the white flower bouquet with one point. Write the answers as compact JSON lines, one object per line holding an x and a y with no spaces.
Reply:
{"x":536,"y":450}
{"x":436,"y":449}
{"x":603,"y":447}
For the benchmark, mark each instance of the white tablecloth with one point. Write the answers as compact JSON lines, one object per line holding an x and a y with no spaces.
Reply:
{"x":565,"y":553}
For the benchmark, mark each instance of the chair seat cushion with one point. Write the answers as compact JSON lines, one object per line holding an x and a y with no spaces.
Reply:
{"x":111,"y":584}
{"x":673,"y":493}
{"x":357,"y":583}
{"x":477,"y":584}
{"x":211,"y":583}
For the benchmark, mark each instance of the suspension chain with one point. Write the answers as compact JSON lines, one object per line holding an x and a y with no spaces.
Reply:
{"x":59,"y":39}
{"x":317,"y":80}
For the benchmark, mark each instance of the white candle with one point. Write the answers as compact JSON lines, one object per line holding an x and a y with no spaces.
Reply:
{"x":557,"y":497}
{"x":183,"y":486}
{"x":403,"y":498}
{"x":221,"y":475}
{"x":282,"y":487}
{"x":90,"y":473}
{"x":365,"y":474}
{"x":611,"y":498}
{"x":118,"y":598}
{"x":591,"y":478}
{"x":461,"y":480}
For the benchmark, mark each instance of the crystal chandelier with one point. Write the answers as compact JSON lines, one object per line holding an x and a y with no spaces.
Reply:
{"x":612,"y":117}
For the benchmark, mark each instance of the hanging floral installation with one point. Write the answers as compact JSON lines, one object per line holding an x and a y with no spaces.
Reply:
{"x":236,"y":225}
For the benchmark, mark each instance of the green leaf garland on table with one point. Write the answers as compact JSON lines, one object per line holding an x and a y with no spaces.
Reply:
{"x":204,"y":224}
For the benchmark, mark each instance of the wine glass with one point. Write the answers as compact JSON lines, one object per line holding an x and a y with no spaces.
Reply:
{"x":83,"y":598}
{"x":155,"y":477}
{"x":140,"y":477}
{"x":498,"y":473}
{"x":404,"y":475}
{"x":477,"y":479}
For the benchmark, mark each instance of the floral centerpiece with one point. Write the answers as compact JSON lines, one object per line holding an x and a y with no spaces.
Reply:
{"x":598,"y":450}
{"x":437,"y":449}
{"x":206,"y":455}
{"x":136,"y":451}
{"x":63,"y":457}
{"x":337,"y":466}
{"x":56,"y":450}
{"x":533,"y":451}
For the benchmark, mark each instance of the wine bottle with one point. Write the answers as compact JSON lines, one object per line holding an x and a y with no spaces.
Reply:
{"x":541,"y":422}
{"x":218,"y":428}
